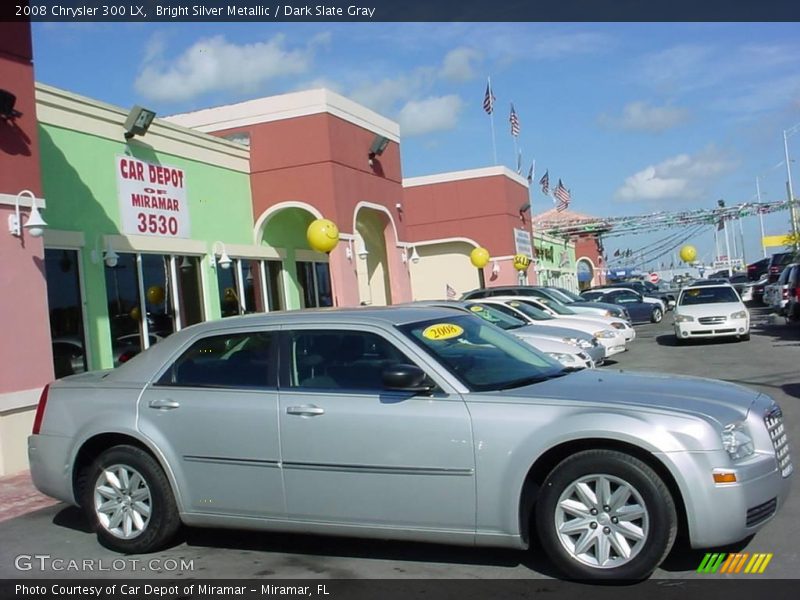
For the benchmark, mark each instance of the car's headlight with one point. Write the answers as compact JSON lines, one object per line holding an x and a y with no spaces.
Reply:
{"x":742,"y":314}
{"x":737,"y":441}
{"x":605,"y":334}
{"x":563,"y":358}
{"x":683,"y":318}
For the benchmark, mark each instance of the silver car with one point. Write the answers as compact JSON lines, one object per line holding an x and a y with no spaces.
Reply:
{"x":415,"y":423}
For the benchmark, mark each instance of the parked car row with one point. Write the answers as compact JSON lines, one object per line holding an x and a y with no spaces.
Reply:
{"x":784,"y":294}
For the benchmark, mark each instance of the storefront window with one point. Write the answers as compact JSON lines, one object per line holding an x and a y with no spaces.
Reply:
{"x":245,"y":287}
{"x":124,"y":312}
{"x":168,"y":307}
{"x":315,"y":284}
{"x":274,"y":271}
{"x":228,"y":286}
{"x":66,"y":315}
{"x":190,"y":287}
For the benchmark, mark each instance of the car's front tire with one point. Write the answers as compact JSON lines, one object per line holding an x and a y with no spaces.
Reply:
{"x":656,"y":315}
{"x":603,"y":514}
{"x":129,"y":502}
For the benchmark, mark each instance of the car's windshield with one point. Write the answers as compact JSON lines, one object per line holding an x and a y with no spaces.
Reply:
{"x":526,"y":309}
{"x":495,"y":317}
{"x":572,"y":296}
{"x":479,"y":354}
{"x":708,"y":295}
{"x":592,"y":296}
{"x":557,"y":307}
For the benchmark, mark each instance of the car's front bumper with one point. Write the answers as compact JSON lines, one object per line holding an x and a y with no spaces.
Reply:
{"x":687,"y":330}
{"x":721,"y":514}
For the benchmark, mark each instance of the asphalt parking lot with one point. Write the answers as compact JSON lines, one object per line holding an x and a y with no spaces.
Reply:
{"x":769,"y":362}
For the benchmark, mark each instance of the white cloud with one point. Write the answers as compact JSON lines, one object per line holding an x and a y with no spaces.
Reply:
{"x":214,"y":64}
{"x":681,"y":177}
{"x":641,"y":116}
{"x":458,"y":65}
{"x":419,"y":117}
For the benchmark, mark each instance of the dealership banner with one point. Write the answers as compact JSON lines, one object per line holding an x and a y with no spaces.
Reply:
{"x":152,"y":199}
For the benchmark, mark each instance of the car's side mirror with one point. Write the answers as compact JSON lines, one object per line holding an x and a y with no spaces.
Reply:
{"x":405,"y":378}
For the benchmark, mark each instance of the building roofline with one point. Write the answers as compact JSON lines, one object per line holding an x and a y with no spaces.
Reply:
{"x":464,"y":175}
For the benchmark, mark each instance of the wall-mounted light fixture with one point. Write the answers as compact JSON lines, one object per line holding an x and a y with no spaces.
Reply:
{"x":362,"y":249}
{"x":221,"y":258}
{"x":348,"y":250}
{"x":138,"y":121}
{"x":109,"y":256}
{"x":35,"y":223}
{"x":495,"y":268}
{"x":186,"y":264}
{"x":523,"y":209}
{"x":379,"y":144}
{"x":7,"y":102}
{"x":414,"y":255}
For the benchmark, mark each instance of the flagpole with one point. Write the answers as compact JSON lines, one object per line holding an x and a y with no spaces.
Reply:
{"x":491,"y":120}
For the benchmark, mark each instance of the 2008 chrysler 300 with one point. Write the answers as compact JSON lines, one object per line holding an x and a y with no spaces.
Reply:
{"x":411,"y":423}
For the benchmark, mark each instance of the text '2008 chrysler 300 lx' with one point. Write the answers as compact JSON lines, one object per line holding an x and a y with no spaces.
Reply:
{"x":414,"y":423}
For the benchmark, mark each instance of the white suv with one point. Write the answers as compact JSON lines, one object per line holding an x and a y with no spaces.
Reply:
{"x":714,"y":310}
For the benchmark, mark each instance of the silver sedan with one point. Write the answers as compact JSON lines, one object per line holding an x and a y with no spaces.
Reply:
{"x":414,"y":423}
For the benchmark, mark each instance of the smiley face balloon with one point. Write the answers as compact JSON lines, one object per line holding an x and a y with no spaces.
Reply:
{"x":322,"y":235}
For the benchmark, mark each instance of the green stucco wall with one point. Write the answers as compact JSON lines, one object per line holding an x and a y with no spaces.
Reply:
{"x":79,"y":179}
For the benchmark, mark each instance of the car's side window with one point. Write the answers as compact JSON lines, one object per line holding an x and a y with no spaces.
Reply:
{"x":626,"y":297}
{"x":344,"y":359}
{"x":233,"y":360}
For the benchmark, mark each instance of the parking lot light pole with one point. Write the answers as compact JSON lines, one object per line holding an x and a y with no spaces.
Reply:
{"x":792,"y":201}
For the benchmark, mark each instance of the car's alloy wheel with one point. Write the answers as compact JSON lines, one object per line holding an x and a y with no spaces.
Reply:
{"x":603,"y":514}
{"x":122,"y":501}
{"x":129,"y":501}
{"x":656,"y":316}
{"x":602,"y":521}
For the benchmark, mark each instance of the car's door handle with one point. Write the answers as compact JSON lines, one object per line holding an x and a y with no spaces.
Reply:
{"x":307,"y":410}
{"x":164,"y":403}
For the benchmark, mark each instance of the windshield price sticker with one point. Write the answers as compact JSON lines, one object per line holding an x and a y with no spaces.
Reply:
{"x":442,"y":331}
{"x":476,"y":308}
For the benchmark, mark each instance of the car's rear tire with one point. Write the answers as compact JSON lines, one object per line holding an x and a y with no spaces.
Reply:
{"x":129,"y":502}
{"x":595,"y":507}
{"x":656,"y":315}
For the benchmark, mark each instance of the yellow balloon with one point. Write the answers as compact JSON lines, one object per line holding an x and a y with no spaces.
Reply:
{"x":688,"y":254}
{"x":155,"y":294}
{"x":521,"y":262}
{"x":135,"y":313}
{"x":322,"y":235}
{"x":479,"y":257}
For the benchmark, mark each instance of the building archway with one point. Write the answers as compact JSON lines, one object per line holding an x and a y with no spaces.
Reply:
{"x":303,"y":279}
{"x":376,"y":247}
{"x":586,"y":272}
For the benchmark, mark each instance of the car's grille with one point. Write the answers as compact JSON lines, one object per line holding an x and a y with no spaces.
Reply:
{"x":711,"y":320}
{"x":762,"y":512}
{"x":777,"y":433}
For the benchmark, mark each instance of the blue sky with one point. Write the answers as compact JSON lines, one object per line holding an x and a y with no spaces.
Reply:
{"x":634,"y":118}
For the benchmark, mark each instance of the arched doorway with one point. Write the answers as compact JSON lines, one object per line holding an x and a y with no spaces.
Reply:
{"x":375,"y":239}
{"x":303,"y":277}
{"x":585,"y":270}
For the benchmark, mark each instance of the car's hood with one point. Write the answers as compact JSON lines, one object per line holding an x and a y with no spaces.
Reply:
{"x":614,"y":308}
{"x":597,"y":322}
{"x":722,"y":401}
{"x":709,"y":310}
{"x":587,"y":327}
{"x":548,"y":344}
{"x":558,"y":332}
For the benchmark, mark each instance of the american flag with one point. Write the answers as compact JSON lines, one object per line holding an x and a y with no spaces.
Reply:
{"x":530,"y":172}
{"x":514,"y":120}
{"x":562,"y":195}
{"x":451,"y":292}
{"x":545,"y":183}
{"x":488,"y":100}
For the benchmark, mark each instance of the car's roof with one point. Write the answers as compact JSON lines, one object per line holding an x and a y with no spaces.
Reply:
{"x":143,"y":366}
{"x":710,"y":283}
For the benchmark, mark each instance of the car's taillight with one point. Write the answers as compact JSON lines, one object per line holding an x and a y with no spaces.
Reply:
{"x":37,"y":420}
{"x":785,"y":294}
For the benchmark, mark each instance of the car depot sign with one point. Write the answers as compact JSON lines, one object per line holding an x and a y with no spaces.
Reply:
{"x":152,"y":199}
